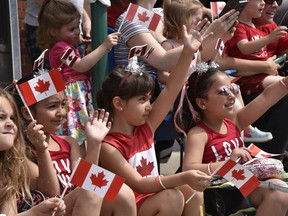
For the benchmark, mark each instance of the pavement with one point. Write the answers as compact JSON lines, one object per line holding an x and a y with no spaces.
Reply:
{"x":172,"y":165}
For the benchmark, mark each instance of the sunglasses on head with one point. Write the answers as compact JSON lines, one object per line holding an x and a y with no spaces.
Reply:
{"x":227,"y":90}
{"x":270,"y":2}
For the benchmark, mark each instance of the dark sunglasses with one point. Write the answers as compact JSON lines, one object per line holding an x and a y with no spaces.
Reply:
{"x":270,"y":2}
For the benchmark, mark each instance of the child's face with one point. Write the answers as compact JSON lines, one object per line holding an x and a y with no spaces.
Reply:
{"x":51,"y":113}
{"x":8,"y":129}
{"x":195,"y":18}
{"x":137,"y":109}
{"x":218,"y":102}
{"x":70,"y":33}
{"x":269,"y":13}
{"x":254,"y":8}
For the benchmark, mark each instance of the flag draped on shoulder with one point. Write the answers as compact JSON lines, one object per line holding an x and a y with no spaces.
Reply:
{"x":240,"y":176}
{"x":96,"y":179}
{"x":142,"y":16}
{"x":259,"y":153}
{"x":69,"y":57}
{"x":41,"y":87}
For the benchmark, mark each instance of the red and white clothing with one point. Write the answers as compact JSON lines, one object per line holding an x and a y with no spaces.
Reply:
{"x":62,"y":162}
{"x":248,"y":84}
{"x":219,"y":146}
{"x":139,"y":152}
{"x":244,"y":31}
{"x":277,"y":46}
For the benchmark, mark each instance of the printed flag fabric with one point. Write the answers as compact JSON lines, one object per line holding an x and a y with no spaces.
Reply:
{"x":96,"y":179}
{"x":69,"y":57}
{"x":41,"y":87}
{"x":142,"y":16}
{"x":216,"y":8}
{"x":259,"y":153}
{"x":137,"y":51}
{"x":220,"y":46}
{"x":241,"y":177}
{"x":39,"y":61}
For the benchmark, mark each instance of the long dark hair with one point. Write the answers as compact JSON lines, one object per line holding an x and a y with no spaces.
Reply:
{"x":197,"y":87}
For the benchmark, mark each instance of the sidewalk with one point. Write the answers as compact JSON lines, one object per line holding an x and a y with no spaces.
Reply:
{"x":173,"y":163}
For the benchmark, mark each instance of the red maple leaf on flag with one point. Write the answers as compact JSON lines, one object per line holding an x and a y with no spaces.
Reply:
{"x":145,"y":168}
{"x":42,"y":86}
{"x":238,"y":174}
{"x":143,"y":17}
{"x":99,"y":180}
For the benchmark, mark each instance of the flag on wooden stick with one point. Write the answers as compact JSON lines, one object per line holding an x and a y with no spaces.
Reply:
{"x":96,"y":179}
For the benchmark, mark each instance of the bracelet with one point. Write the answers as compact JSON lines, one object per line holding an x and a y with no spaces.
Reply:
{"x":209,"y":167}
{"x":159,"y":179}
{"x":282,"y":82}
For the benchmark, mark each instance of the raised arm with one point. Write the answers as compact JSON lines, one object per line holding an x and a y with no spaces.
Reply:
{"x":165,"y":100}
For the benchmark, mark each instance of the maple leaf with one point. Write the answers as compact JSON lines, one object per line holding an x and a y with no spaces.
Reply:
{"x":99,"y":180}
{"x":238,"y":174}
{"x":42,"y":86}
{"x":145,"y":168}
{"x":143,"y":16}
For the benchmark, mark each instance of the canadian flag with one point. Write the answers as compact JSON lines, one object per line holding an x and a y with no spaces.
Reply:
{"x":259,"y":153}
{"x":96,"y":179}
{"x":220,"y":46}
{"x":69,"y":57}
{"x":41,"y":87}
{"x":216,"y":8}
{"x":137,"y":51}
{"x":39,"y":61}
{"x":142,"y":16}
{"x":241,"y":177}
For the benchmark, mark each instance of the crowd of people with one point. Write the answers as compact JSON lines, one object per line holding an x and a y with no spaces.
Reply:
{"x":42,"y":143}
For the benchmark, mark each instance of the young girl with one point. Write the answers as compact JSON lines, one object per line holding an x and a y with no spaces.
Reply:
{"x":13,"y":163}
{"x":212,"y":138}
{"x":64,"y":152}
{"x":251,"y":43}
{"x":190,"y":12}
{"x":126,"y":94}
{"x":59,"y":31}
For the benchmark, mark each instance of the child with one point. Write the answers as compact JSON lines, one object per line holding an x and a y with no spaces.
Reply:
{"x":13,"y":162}
{"x":59,"y":31}
{"x":64,"y":151}
{"x":214,"y":138}
{"x":190,"y":12}
{"x":127,"y":94}
{"x":251,"y":43}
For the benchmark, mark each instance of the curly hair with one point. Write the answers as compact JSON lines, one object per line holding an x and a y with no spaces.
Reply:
{"x":13,"y":162}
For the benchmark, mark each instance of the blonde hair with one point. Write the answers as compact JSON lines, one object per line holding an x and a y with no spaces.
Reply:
{"x":13,"y":162}
{"x":176,"y":14}
{"x":53,"y":15}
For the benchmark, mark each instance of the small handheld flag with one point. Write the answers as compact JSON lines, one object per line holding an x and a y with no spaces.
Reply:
{"x":41,"y":87}
{"x":240,"y":176}
{"x":142,"y":16}
{"x":39,"y":61}
{"x":96,"y":179}
{"x":259,"y":153}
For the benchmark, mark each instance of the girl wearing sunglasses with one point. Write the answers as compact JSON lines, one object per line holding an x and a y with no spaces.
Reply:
{"x":213,"y":138}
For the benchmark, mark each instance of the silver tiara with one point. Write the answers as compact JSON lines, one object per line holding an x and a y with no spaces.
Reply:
{"x":133,"y":66}
{"x":203,"y":67}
